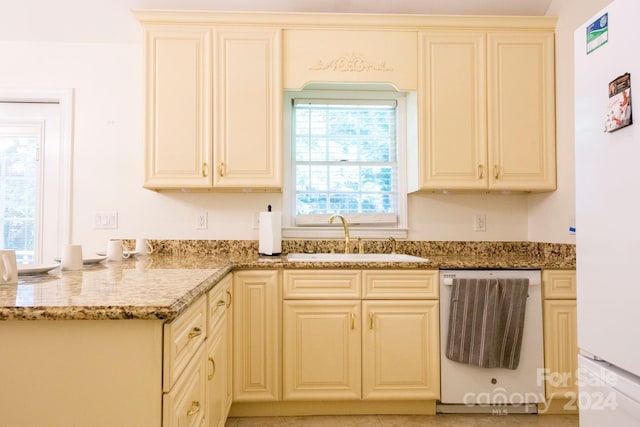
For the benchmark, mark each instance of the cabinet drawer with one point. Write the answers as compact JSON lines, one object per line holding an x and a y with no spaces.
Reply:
{"x":218,"y":300}
{"x":400,"y":284}
{"x":324,"y":284}
{"x":182,"y":337}
{"x":185,"y":404}
{"x":559,"y":284}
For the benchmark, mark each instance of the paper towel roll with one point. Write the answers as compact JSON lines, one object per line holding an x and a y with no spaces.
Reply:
{"x":270,"y":236}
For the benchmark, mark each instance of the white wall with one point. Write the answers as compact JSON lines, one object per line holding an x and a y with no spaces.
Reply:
{"x":550,"y":215}
{"x":97,"y":51}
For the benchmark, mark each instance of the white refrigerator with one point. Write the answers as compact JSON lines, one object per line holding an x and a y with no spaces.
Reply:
{"x":607,"y":160}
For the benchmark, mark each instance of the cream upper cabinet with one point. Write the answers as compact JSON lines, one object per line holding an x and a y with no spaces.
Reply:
{"x":486,"y":111}
{"x":213,"y":107}
{"x":480,"y":94}
{"x":247,"y":108}
{"x":178,"y":107}
{"x":521,"y":108}
{"x":350,"y":55}
{"x":256,"y":336}
{"x":452,"y":153}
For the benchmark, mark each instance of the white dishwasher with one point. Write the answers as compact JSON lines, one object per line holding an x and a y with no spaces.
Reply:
{"x":472,"y":389}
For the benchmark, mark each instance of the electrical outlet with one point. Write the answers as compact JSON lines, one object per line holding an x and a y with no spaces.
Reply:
{"x":480,"y":222}
{"x":105,"y":220}
{"x":202,"y":220}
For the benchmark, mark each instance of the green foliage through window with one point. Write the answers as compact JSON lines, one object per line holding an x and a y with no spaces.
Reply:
{"x":345,"y":156}
{"x":19,"y":171}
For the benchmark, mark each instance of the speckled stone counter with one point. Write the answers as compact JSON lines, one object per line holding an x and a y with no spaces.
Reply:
{"x":161,"y":286}
{"x":142,"y":288}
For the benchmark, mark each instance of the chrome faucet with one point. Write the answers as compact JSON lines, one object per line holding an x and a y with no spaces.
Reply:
{"x":345,"y":225}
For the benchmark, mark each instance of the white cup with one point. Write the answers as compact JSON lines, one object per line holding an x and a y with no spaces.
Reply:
{"x":72,"y":257}
{"x":8,"y":266}
{"x":116,"y":251}
{"x":143,"y":247}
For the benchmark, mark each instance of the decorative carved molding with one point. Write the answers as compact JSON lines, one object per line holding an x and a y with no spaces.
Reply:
{"x":356,"y":62}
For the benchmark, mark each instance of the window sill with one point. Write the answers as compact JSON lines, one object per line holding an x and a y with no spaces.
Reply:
{"x":338,"y":233}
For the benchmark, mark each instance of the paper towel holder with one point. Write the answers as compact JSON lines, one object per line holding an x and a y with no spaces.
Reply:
{"x":270,"y":233}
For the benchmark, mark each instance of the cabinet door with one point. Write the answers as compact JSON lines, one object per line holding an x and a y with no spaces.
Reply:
{"x":560,"y":349}
{"x":321,"y":349}
{"x":217,"y":373}
{"x":452,"y":104}
{"x":256,"y":336}
{"x":178,"y":107}
{"x":248,"y":108}
{"x":401,"y":351}
{"x":521,"y":108}
{"x":229,"y":318}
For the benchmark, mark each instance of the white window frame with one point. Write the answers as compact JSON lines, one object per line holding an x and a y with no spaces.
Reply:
{"x":322,"y":229}
{"x":64,"y":97}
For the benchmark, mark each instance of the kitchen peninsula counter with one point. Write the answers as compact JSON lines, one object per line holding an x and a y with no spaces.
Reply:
{"x":160,"y":287}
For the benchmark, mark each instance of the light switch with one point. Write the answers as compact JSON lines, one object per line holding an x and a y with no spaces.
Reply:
{"x":105,"y":220}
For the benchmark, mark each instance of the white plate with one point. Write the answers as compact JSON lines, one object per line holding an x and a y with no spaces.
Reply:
{"x":29,"y":269}
{"x":131,"y":253}
{"x":87,"y":261}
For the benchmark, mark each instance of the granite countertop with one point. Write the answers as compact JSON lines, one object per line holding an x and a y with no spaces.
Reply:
{"x":160,"y":287}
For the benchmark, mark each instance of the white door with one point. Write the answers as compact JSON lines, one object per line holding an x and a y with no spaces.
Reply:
{"x":30,"y":180}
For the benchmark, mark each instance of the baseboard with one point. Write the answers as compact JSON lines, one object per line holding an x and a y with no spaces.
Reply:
{"x":558,"y":407}
{"x":281,"y":408}
{"x":528,"y":408}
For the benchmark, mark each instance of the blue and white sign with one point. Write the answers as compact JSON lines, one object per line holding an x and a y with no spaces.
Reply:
{"x":598,"y":33}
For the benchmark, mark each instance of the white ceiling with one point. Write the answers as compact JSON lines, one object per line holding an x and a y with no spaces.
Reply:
{"x":112,"y":21}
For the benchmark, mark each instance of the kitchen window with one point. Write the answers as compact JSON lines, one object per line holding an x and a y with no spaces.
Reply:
{"x":346,"y":156}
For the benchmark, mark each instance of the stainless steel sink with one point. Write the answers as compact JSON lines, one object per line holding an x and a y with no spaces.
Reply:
{"x":354,"y":258}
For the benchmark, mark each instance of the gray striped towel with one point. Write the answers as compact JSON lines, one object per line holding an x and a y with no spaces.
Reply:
{"x":486,"y":321}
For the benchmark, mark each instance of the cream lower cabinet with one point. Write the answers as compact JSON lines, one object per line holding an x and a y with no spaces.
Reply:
{"x":486,"y":111}
{"x":560,"y":340}
{"x":184,"y":371}
{"x":213,"y":106}
{"x":398,"y":351}
{"x":256,"y":336}
{"x":218,"y":342}
{"x":379,"y":347}
{"x":322,"y":349}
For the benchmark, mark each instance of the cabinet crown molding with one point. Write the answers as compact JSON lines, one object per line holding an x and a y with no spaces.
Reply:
{"x":364,"y":21}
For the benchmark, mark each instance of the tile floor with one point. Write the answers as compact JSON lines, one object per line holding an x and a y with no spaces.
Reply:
{"x":408,"y":421}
